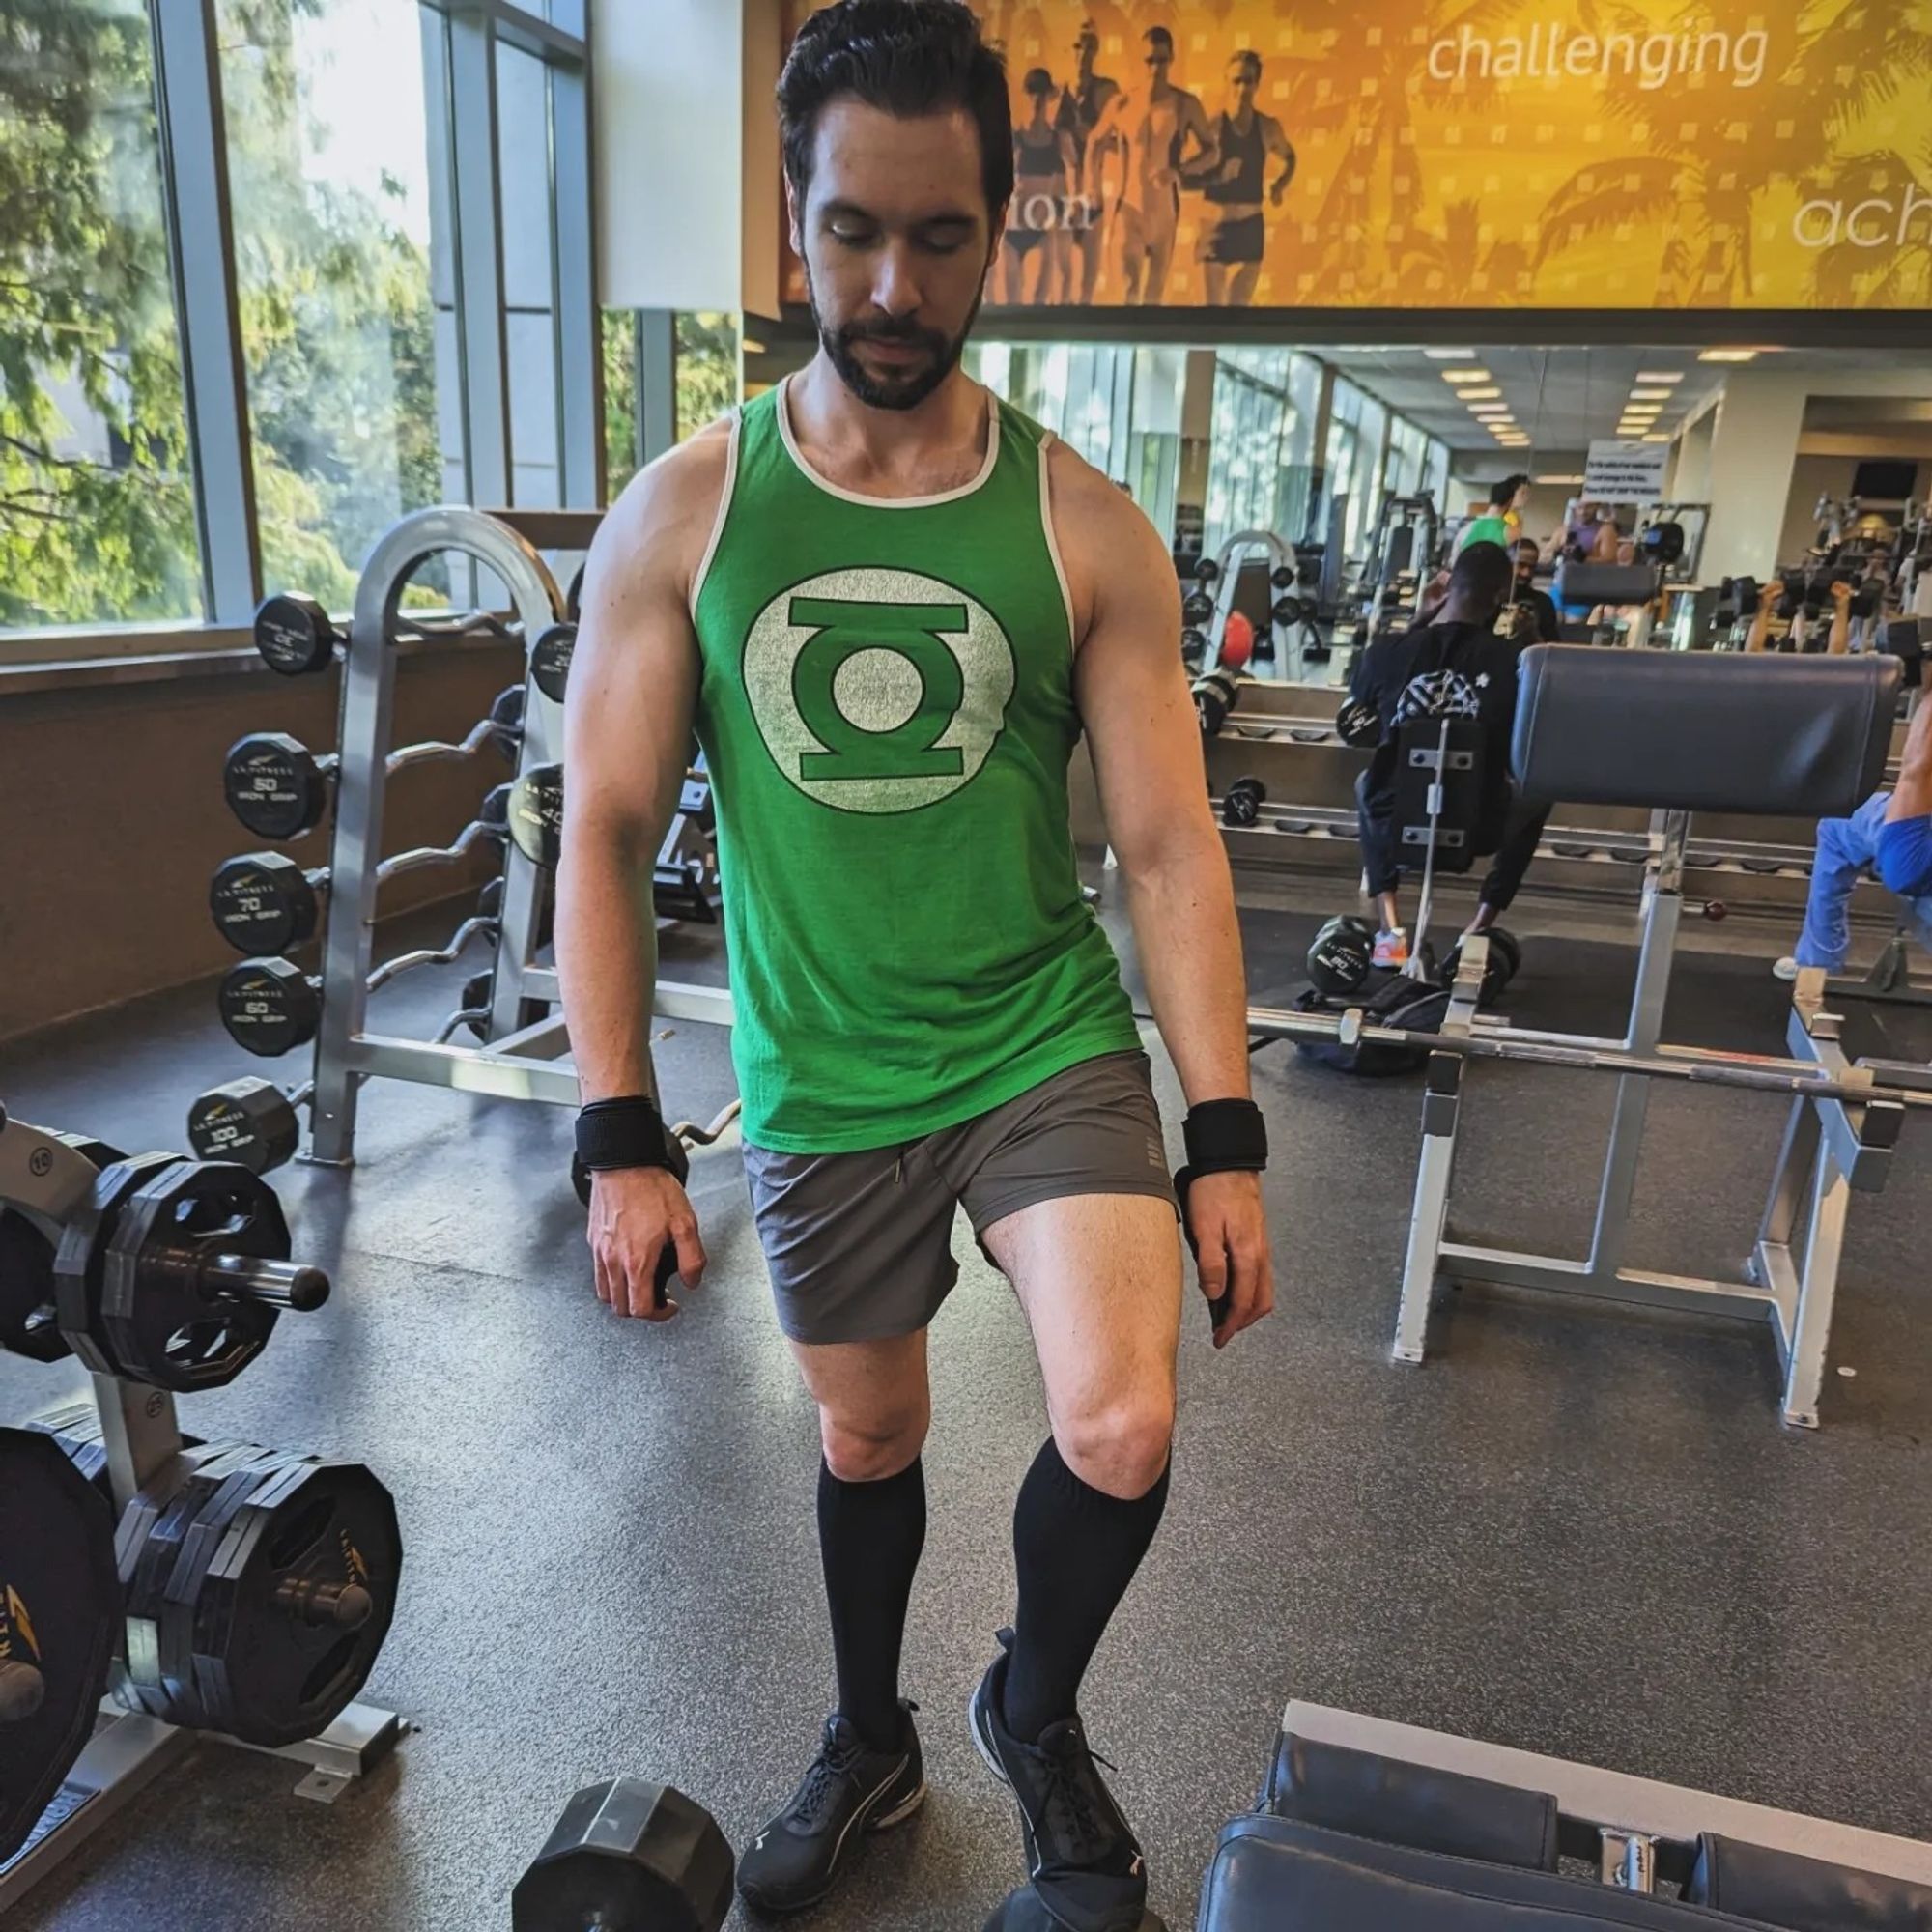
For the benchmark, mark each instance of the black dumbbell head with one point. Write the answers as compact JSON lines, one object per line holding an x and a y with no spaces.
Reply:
{"x":294,"y":634}
{"x":275,"y":785}
{"x":1196,"y":608}
{"x":251,"y":1122}
{"x":270,"y":1006}
{"x":1206,"y":572}
{"x":264,"y":902}
{"x":1359,"y":724}
{"x":506,"y":708}
{"x":628,"y":1854}
{"x":1241,"y":806}
{"x":536,"y":815}
{"x":1340,"y":956}
{"x":549,"y":660}
{"x":1281,"y":576}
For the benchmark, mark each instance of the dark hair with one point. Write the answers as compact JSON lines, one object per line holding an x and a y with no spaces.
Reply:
{"x":1526,"y":543}
{"x":1038,"y":81}
{"x":1501,"y":493}
{"x":1249,"y":61}
{"x":1484,"y":576}
{"x":1159,"y":36}
{"x":906,"y":58}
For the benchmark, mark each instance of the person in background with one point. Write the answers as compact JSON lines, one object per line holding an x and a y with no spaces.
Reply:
{"x":1044,"y":169}
{"x":1836,"y":644}
{"x":1453,"y":652}
{"x":1501,"y":519}
{"x":1889,"y":835}
{"x":1543,"y":627}
{"x":1233,"y":233}
{"x":1081,"y":106}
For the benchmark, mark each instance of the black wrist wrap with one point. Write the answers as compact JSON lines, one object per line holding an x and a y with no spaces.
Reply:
{"x":628,"y":1132}
{"x":1225,"y":1134}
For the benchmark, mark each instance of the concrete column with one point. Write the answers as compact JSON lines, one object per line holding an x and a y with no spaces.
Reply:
{"x":1754,"y":446}
{"x":1690,"y":481}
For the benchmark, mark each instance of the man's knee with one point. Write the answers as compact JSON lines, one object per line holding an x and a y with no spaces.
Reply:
{"x":871,"y":1448}
{"x":1120,"y":1447}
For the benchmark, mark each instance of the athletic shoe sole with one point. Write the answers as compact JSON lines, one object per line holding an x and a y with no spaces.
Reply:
{"x":885,"y":1823}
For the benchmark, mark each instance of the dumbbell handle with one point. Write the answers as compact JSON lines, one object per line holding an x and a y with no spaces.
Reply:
{"x":407,"y":962}
{"x":438,"y":855}
{"x":326,"y":1605}
{"x":274,"y":1284}
{"x":432,"y":751}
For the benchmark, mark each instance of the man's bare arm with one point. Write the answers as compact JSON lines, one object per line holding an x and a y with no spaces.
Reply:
{"x":1283,"y":150}
{"x":1912,"y":796}
{"x":1145,"y":743}
{"x":627,"y":736}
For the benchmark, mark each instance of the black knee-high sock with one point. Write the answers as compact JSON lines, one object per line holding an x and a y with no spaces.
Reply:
{"x":1077,"y":1550}
{"x":870,"y":1536}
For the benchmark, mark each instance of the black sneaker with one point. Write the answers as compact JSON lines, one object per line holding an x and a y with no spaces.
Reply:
{"x":1082,"y":1859}
{"x":849,"y":1788}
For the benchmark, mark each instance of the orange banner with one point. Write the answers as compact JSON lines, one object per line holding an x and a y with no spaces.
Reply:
{"x":1466,"y":153}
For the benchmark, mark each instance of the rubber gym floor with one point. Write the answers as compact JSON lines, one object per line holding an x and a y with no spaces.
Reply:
{"x":1578,"y":1531}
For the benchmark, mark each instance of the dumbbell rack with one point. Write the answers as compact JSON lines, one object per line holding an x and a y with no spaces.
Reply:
{"x":45,"y":1178}
{"x":520,"y":1059}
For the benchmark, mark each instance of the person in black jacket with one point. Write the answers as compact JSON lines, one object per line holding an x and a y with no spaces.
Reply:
{"x":1527,"y":597}
{"x":1454,"y":664}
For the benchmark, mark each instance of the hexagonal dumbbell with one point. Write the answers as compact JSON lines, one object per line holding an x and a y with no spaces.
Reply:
{"x":269,"y":1006}
{"x":275,"y":785}
{"x":252,"y":1122}
{"x":549,"y":660}
{"x":629,"y":1854}
{"x":295,"y":636}
{"x":264,"y":902}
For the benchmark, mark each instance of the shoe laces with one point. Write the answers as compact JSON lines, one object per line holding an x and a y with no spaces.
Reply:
{"x":837,"y":1760}
{"x":1070,"y":1780}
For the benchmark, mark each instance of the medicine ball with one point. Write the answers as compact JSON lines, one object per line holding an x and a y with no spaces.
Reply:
{"x":1341,"y":954}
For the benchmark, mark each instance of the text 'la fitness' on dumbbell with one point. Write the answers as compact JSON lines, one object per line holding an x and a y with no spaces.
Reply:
{"x":280,"y":790}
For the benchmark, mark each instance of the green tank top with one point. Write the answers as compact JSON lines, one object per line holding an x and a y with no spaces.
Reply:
{"x":887,"y":709}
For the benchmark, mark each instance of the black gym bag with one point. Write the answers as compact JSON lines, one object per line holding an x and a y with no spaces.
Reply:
{"x":1397,"y":1002}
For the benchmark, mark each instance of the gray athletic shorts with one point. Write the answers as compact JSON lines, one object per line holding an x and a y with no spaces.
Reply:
{"x":859,"y":1245}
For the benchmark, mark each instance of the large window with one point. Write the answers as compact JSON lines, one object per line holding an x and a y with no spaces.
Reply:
{"x":329,"y":191}
{"x":706,"y":360}
{"x":1357,"y":425}
{"x":225,"y":372}
{"x":1265,"y":402}
{"x":97,"y":500}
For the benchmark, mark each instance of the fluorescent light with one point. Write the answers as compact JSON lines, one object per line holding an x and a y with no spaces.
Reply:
{"x":1660,"y":375}
{"x":1577,"y":480}
{"x":1728,"y":355}
{"x":1649,"y":396}
{"x":1658,"y":438}
{"x":1490,"y":409}
{"x":1465,"y":375}
{"x":1490,"y":395}
{"x":752,"y":348}
{"x":1450,"y":354}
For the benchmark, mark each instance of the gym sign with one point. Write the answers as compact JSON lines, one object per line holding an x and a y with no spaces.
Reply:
{"x":1725,"y":154}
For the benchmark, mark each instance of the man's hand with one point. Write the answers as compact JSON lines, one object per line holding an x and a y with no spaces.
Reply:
{"x":633,"y":1212}
{"x":1434,"y":595}
{"x":1842,"y":594}
{"x":1277,"y":192}
{"x":1229,"y":1235}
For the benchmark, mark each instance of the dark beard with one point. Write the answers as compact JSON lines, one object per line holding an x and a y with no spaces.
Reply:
{"x":894,"y":392}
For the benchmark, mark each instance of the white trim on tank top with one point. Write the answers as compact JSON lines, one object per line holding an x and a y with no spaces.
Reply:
{"x":831,"y":488}
{"x":723,"y":511}
{"x":1046,"y":444}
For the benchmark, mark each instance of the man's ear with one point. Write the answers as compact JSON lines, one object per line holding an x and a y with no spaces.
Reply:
{"x":792,"y":218}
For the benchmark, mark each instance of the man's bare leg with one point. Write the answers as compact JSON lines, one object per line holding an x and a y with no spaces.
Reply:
{"x":1099,"y":1277}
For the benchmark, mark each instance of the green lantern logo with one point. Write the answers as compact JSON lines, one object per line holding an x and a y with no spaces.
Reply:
{"x":879,"y":690}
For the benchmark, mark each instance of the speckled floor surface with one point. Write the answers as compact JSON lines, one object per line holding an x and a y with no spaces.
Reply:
{"x":1577,"y":1530}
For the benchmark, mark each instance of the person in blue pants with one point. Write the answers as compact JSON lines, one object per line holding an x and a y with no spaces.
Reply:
{"x":1890,"y":835}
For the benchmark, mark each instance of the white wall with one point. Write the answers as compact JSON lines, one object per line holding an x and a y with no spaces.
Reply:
{"x":671,"y":77}
{"x":1827,"y":476}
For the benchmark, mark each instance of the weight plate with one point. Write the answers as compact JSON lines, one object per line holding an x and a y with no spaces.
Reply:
{"x":549,"y":660}
{"x":81,"y":1259}
{"x":296,"y":1601}
{"x":167,"y":1320}
{"x":294,"y":634}
{"x":58,"y":1615}
{"x":274,"y":786}
{"x":27,"y":1324}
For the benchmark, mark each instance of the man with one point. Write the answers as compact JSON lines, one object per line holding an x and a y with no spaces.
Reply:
{"x":1542,"y":627}
{"x":1451,"y":664}
{"x":890,"y":605}
{"x":1081,"y":106}
{"x":1500,"y":520}
{"x":1149,"y":127}
{"x":1773,"y":600}
{"x":1890,"y":835}
{"x":1235,"y":235}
